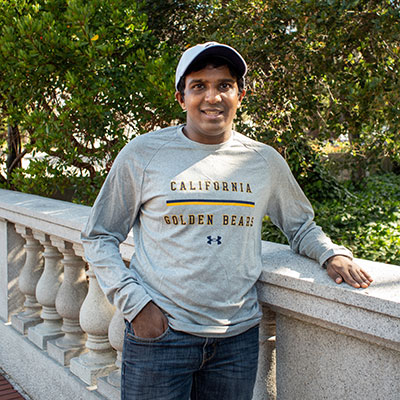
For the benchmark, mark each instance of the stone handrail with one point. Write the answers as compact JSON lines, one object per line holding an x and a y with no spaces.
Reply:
{"x":62,"y":339}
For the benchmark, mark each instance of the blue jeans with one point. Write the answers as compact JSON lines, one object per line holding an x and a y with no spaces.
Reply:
{"x":179,"y":366}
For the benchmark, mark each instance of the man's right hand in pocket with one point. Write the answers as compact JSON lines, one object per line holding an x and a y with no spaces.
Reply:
{"x":150,"y":322}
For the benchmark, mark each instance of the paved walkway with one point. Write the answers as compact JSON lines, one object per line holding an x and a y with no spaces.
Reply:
{"x":7,"y":392}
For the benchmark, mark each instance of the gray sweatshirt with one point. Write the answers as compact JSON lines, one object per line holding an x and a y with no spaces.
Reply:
{"x":196,"y":212}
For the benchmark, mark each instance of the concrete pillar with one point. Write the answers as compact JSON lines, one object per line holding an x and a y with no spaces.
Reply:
{"x":27,"y":281}
{"x":110,"y":386}
{"x":12,"y":258}
{"x":46,"y":292}
{"x":265,"y":388}
{"x":316,"y":363}
{"x":70,"y":297}
{"x":95,"y":317}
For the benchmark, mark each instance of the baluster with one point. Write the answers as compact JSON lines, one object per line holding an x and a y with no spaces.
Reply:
{"x":27,"y":282}
{"x":95,"y":317}
{"x":70,"y":297}
{"x":110,"y":386}
{"x":265,"y":387}
{"x":12,"y":259}
{"x":46,"y":292}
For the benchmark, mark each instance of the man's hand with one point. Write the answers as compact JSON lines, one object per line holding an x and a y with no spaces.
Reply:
{"x":150,"y":322}
{"x":341,"y":268}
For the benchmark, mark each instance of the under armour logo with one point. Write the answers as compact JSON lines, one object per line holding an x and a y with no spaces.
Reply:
{"x":211,"y":240}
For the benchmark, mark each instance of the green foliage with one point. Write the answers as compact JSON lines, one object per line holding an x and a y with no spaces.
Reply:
{"x":80,"y":79}
{"x":310,"y":170}
{"x":316,"y":68}
{"x":367,"y":221}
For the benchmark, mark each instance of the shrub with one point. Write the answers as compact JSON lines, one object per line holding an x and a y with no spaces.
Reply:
{"x":367,"y":221}
{"x":79,"y":79}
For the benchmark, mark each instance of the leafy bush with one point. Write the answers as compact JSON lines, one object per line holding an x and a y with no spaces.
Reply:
{"x":367,"y":221}
{"x":79,"y":79}
{"x":316,"y":68}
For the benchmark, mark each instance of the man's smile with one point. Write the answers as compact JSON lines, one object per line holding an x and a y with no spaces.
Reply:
{"x":212,"y":112}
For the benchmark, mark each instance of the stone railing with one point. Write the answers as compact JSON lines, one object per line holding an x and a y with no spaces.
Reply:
{"x":61,"y":339}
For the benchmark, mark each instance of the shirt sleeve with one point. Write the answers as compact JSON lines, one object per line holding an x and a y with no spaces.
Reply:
{"x":112,"y":217}
{"x":290,"y":211}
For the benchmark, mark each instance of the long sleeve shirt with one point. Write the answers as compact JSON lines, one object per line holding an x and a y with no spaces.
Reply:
{"x":196,"y":211}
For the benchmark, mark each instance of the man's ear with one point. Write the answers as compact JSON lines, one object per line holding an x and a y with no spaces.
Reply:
{"x":180,"y":99}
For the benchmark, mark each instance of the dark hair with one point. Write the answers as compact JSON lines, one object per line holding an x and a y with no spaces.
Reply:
{"x":215,"y":62}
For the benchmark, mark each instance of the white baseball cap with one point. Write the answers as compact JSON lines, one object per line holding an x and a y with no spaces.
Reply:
{"x":209,"y":49}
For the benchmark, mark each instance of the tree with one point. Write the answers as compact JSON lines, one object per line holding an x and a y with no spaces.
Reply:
{"x":317,"y":69}
{"x":78,"y":80}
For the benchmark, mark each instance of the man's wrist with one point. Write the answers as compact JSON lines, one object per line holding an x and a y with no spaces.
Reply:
{"x":325,"y":264}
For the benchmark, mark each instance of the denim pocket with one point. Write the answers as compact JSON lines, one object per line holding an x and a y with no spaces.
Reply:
{"x":130,"y":334}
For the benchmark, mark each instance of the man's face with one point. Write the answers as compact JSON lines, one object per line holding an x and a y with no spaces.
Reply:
{"x":211,"y":100}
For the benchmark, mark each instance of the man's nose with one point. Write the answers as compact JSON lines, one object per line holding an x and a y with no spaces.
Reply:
{"x":213,"y":96}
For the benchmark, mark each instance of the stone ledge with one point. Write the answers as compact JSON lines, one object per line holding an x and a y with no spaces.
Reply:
{"x":314,"y":363}
{"x":54,"y":217}
{"x":39,"y":375}
{"x":298,"y":287}
{"x":40,"y":208}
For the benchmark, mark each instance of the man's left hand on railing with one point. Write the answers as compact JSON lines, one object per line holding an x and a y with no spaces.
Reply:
{"x":342,"y":268}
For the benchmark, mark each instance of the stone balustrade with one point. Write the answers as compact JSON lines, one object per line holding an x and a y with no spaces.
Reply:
{"x":61,"y":338}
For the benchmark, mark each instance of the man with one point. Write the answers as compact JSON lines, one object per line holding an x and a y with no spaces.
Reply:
{"x":195,"y":196}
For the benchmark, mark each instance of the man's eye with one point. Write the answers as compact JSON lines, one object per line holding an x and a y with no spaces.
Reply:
{"x":198,"y":86}
{"x":226,"y":85}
